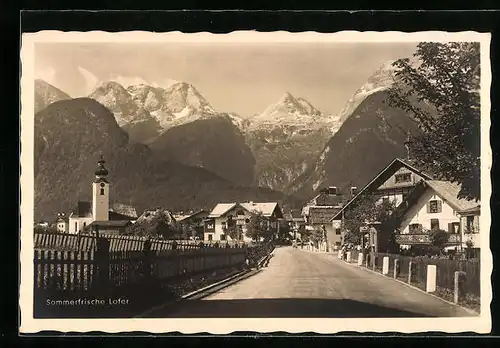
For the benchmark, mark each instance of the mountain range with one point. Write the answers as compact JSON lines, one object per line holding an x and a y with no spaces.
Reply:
{"x":286,"y":138}
{"x":291,"y":147}
{"x":71,"y":134}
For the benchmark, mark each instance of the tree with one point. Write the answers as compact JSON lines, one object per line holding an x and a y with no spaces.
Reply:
{"x":231,"y":228}
{"x":258,"y":227}
{"x":442,"y":94}
{"x":368,"y":208}
{"x":438,"y":238}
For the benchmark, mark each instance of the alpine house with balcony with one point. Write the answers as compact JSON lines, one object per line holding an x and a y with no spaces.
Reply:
{"x":434,"y":204}
{"x":393,"y":183}
{"x":240,"y":214}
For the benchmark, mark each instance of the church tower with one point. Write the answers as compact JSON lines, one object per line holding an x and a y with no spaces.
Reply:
{"x":100,"y":193}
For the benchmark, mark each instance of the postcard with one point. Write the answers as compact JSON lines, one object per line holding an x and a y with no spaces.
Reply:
{"x":255,"y":181}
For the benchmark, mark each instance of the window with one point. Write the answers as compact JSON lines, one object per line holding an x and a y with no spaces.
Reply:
{"x":434,"y":206}
{"x":222,"y":237}
{"x":337,"y":231}
{"x":415,"y":228}
{"x":454,"y":227}
{"x":210,"y":237}
{"x":240,"y":212}
{"x":102,"y":192}
{"x":469,"y":224}
{"x":76,"y":226}
{"x":210,"y":225}
{"x":385,"y":200}
{"x":406,"y":177}
{"x":434,"y":224}
{"x":84,"y":224}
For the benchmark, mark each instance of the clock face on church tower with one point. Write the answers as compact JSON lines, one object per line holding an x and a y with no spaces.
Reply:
{"x":103,"y":184}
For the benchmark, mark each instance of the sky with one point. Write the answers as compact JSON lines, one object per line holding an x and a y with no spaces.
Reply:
{"x":242,"y":78}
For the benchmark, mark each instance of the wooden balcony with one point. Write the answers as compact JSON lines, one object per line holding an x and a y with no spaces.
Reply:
{"x":424,"y":238}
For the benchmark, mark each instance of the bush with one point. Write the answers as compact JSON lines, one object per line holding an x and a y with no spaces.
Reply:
{"x":438,"y":238}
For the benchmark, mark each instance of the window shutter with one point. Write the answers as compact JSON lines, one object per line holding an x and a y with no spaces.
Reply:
{"x":450,"y":228}
{"x":439,"y":206}
{"x":428,"y":207}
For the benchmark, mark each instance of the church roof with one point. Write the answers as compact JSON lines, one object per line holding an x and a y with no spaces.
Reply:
{"x":83,"y":209}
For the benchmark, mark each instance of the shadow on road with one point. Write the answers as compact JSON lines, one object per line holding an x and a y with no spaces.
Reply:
{"x":282,"y":308}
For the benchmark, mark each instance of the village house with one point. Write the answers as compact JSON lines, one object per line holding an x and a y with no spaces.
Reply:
{"x":241,"y":213}
{"x":98,"y":215}
{"x":62,"y":223}
{"x":469,"y":226}
{"x":296,"y":223}
{"x":320,"y":210}
{"x":193,"y":220}
{"x":434,"y":204}
{"x":394,"y":183}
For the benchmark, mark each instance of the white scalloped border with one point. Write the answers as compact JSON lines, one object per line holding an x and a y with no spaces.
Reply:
{"x":480,"y":324}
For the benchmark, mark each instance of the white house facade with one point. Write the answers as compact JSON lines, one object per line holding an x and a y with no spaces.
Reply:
{"x":434,"y":205}
{"x":240,"y":213}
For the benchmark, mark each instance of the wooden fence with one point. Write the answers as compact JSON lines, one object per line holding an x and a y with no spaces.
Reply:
{"x":138,"y":275}
{"x":445,"y":270}
{"x":87,"y":242}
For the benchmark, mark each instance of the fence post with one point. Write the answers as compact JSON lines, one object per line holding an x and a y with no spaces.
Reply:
{"x":459,"y":288}
{"x":367,"y":260}
{"x":396,"y":268}
{"x":373,"y":261}
{"x":348,"y":256}
{"x":360,"y":259}
{"x":385,"y":265}
{"x":410,"y":270}
{"x":340,"y":254}
{"x":102,"y":261}
{"x":431,"y":278}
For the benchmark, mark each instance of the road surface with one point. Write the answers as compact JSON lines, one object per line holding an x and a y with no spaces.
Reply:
{"x":300,"y":283}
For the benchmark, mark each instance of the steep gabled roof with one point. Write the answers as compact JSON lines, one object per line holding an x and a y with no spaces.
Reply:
{"x":449,"y":191}
{"x":380,"y":178}
{"x":446,"y":190}
{"x":266,"y":208}
{"x":180,"y":218}
{"x":321,"y":215}
{"x":221,"y":208}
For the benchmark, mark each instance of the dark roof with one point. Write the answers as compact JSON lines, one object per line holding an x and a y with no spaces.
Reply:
{"x":83,"y":209}
{"x":328,"y":199}
{"x":114,"y":216}
{"x":474,"y":210}
{"x":296,"y":214}
{"x":111,"y":223}
{"x":321,"y":215}
{"x":381,"y":177}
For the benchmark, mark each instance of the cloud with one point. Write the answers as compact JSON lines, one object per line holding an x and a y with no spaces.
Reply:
{"x":91,"y":80}
{"x":164,"y":83}
{"x":127,"y":81}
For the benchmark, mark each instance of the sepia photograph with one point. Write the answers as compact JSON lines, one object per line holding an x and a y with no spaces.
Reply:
{"x":255,"y":181}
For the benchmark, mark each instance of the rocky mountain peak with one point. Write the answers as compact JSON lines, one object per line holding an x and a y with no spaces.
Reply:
{"x":180,"y":95}
{"x":46,"y":94}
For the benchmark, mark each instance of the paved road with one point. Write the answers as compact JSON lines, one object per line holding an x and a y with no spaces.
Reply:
{"x":299,"y":283}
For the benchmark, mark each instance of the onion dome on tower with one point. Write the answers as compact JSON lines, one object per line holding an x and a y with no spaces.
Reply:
{"x":101,"y":171}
